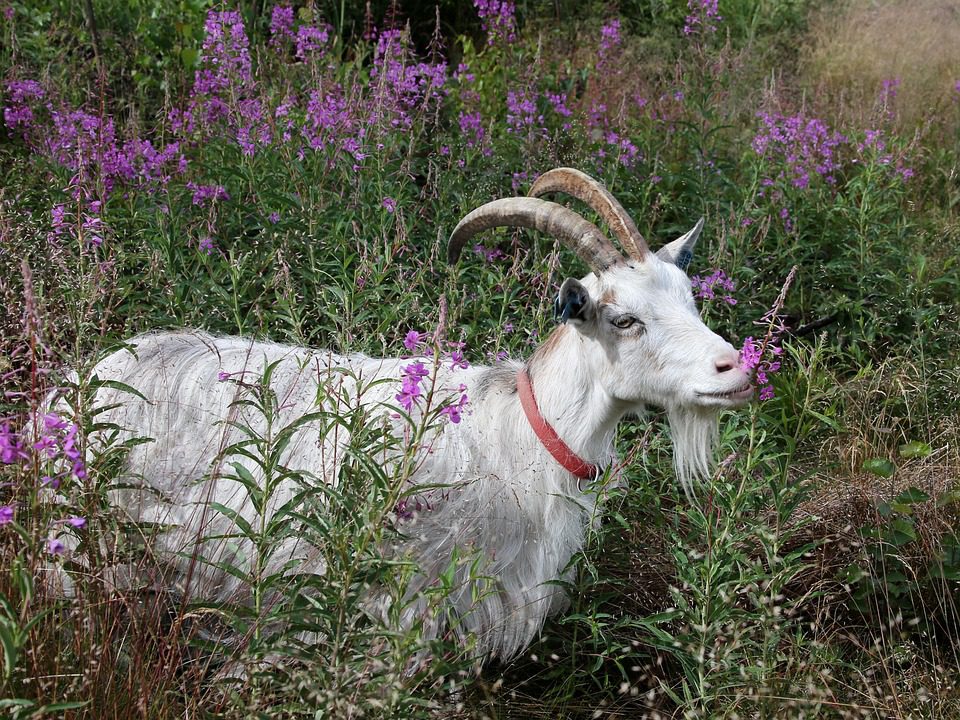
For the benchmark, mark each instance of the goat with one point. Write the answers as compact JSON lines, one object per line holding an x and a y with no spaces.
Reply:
{"x":629,"y":335}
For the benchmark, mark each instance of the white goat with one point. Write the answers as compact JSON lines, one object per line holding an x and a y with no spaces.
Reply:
{"x":630,"y":335}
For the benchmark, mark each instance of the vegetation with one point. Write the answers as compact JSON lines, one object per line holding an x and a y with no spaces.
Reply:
{"x":293,"y":171}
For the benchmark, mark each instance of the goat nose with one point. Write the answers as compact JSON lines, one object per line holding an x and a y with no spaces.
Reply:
{"x":727,"y":362}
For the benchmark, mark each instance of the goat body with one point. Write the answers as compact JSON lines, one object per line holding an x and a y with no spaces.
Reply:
{"x":502,"y":494}
{"x":630,"y":336}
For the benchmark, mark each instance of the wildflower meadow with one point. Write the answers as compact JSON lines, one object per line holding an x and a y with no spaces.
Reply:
{"x":292,"y":171}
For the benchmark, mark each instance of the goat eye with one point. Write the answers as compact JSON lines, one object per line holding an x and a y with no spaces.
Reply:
{"x":624,"y":321}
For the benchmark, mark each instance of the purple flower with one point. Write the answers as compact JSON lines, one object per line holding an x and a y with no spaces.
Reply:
{"x":752,"y":360}
{"x":206,"y":245}
{"x":804,"y":146}
{"x":202,"y":194}
{"x":11,"y":446}
{"x":519,"y":179}
{"x":328,"y":118}
{"x":453,"y":411}
{"x":389,"y":204}
{"x":223,"y":376}
{"x":401,"y":85}
{"x":558,"y":101}
{"x":704,"y":16}
{"x":609,"y":42}
{"x":522,"y":114}
{"x":749,"y":354}
{"x":21,"y":95}
{"x":707,"y":287}
{"x":309,"y":39}
{"x":76,"y":521}
{"x":456,"y":356}
{"x":410,"y":391}
{"x":413,"y":339}
{"x":6,"y":514}
{"x":471,"y":128}
{"x":281,"y":24}
{"x":274,"y":217}
{"x":225,"y":53}
{"x":497,"y":19}
{"x":488,"y":254}
{"x":55,"y":547}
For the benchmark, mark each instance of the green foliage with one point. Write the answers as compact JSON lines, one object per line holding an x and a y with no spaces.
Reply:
{"x":693,"y":607}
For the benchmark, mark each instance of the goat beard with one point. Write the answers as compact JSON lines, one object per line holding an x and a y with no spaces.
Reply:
{"x":694,"y":432}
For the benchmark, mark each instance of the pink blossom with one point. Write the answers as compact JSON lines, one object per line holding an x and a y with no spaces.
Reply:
{"x":413,"y":339}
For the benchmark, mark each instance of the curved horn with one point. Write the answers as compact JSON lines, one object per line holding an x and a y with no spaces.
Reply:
{"x":593,"y":193}
{"x":578,"y":234}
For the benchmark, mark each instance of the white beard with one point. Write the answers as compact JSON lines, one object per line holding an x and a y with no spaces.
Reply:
{"x":694,"y":432}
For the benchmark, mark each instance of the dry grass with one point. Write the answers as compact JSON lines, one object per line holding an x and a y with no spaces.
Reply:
{"x":858,"y":45}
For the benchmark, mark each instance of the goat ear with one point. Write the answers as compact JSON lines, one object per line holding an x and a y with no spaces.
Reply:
{"x":573,"y":303}
{"x":680,"y":251}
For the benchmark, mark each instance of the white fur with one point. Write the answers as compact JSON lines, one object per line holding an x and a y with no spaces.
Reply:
{"x":505,"y":497}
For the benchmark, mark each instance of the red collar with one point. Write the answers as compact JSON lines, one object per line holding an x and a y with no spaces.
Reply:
{"x":548,"y":436}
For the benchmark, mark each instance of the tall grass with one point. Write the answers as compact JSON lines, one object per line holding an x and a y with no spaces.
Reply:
{"x":274,"y":173}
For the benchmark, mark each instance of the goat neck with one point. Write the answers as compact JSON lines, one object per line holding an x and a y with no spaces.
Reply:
{"x":571,"y":398}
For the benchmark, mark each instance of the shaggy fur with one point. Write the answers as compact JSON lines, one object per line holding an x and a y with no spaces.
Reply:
{"x":504,"y":498}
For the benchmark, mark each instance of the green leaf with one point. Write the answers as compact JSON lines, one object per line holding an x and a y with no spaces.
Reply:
{"x":901,"y":532}
{"x":61,"y":706}
{"x":237,"y":518}
{"x":880,"y":466}
{"x":912,"y":495}
{"x":942,"y":571}
{"x":915,"y":449}
{"x":189,"y":57}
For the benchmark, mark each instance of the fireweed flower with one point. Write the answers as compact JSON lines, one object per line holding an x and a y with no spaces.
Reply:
{"x":522,"y":114}
{"x":763,"y":358}
{"x":11,"y":446}
{"x":457,"y":361}
{"x":57,"y":442}
{"x":609,"y":44}
{"x":402,"y":85}
{"x":410,"y":391}
{"x":389,"y":204}
{"x":489,"y":255}
{"x":328,"y":118}
{"x":804,"y":146}
{"x":21,"y":94}
{"x":413,"y":339}
{"x":204,"y":194}
{"x":704,"y":16}
{"x":309,"y":40}
{"x":558,"y":101}
{"x":713,"y":285}
{"x":281,"y":25}
{"x":453,"y":411}
{"x":471,"y":128}
{"x":497,"y":19}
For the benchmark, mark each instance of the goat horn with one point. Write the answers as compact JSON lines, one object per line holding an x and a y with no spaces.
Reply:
{"x":593,"y":193}
{"x":580,"y":235}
